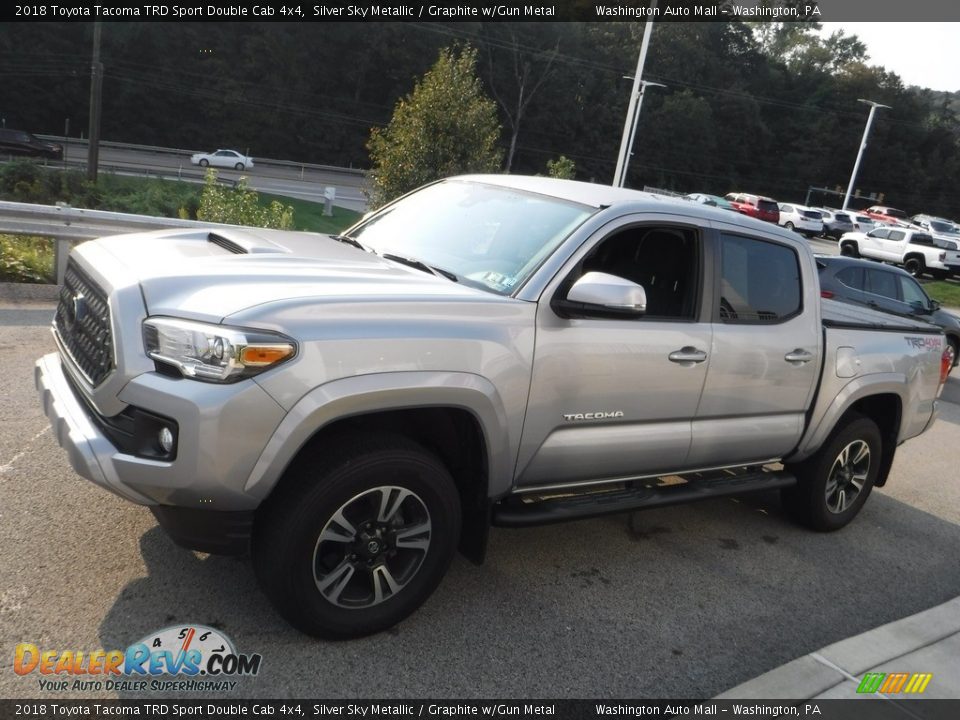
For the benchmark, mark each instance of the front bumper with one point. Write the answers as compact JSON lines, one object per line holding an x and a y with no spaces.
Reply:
{"x":198,"y":497}
{"x":87,"y":447}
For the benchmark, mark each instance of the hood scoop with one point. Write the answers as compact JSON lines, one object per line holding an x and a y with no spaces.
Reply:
{"x":240,"y":242}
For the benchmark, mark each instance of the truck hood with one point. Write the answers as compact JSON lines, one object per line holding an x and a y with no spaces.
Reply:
{"x":209,"y":274}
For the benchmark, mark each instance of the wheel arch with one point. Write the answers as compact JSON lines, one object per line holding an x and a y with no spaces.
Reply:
{"x":456,"y":416}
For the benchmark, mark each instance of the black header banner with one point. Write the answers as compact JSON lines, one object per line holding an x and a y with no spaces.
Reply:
{"x":491,"y":11}
{"x":879,"y":708}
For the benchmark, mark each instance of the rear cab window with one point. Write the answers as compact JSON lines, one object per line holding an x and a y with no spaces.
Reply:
{"x":759,"y":281}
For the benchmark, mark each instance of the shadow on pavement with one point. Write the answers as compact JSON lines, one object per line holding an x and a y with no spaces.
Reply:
{"x":685,"y":602}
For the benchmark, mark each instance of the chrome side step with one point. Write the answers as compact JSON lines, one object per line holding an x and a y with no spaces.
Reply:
{"x":527,"y":510}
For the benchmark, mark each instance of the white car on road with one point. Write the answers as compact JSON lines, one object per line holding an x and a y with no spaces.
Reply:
{"x":802,"y":219}
{"x":224,"y":159}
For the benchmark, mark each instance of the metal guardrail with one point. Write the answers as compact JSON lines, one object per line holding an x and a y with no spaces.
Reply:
{"x":67,"y":225}
{"x":258,"y":161}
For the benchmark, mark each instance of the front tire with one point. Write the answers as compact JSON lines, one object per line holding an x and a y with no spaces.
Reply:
{"x":238,"y":166}
{"x":849,"y":250}
{"x":359,"y":536}
{"x":204,"y":162}
{"x":834,"y":483}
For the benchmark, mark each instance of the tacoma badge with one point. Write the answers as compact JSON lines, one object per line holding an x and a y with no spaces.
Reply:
{"x":602,"y":415}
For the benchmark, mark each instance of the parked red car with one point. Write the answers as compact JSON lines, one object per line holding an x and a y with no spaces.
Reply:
{"x":887,"y":214}
{"x":756,"y":206}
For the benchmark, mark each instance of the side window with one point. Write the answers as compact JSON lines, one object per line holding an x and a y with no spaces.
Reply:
{"x":912,"y":293}
{"x":879,"y":233}
{"x":665,"y":261}
{"x":786,"y":208}
{"x":882,"y":283}
{"x":852,"y":277}
{"x":760,"y":281}
{"x":896,"y":235}
{"x":921,"y":239}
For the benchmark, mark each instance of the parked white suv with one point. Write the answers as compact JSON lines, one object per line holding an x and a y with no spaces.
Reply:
{"x":802,"y":219}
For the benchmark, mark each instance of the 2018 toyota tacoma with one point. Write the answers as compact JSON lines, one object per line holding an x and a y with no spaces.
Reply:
{"x":488,"y":350}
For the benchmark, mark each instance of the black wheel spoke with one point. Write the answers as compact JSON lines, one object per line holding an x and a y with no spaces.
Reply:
{"x":371,"y":547}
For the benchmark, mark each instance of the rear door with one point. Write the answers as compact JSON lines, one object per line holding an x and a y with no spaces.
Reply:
{"x":893,"y":247}
{"x":764,"y":358}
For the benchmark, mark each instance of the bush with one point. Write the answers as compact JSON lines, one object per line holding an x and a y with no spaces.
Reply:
{"x":26,"y":181}
{"x":563,"y":168}
{"x":26,"y":259}
{"x":240,"y":206}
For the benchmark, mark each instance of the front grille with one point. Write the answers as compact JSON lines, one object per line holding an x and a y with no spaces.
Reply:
{"x":83,"y":324}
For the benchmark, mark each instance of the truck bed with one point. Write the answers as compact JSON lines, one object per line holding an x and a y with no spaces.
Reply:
{"x":836,"y":314}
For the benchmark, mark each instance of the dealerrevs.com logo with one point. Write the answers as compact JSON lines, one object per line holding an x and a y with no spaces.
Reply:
{"x":177,"y":658}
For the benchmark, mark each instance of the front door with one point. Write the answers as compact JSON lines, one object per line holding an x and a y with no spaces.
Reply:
{"x":614,"y":396}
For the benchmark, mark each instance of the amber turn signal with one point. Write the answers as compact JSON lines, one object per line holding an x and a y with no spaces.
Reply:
{"x":261,"y":355}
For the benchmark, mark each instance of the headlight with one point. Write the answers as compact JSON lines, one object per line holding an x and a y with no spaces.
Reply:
{"x":214,"y":352}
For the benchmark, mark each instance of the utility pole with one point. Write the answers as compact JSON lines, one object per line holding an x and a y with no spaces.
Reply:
{"x":633,"y":130}
{"x":863,"y":146}
{"x":96,"y":95}
{"x":629,"y":124}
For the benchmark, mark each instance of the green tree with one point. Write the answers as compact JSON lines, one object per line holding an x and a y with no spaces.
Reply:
{"x":240,"y":205}
{"x":446,"y":126}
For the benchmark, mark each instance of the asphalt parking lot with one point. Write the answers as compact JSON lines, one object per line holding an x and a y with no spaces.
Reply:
{"x":679,"y":602}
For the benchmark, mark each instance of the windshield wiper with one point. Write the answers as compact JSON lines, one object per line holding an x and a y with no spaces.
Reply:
{"x":420,"y":265}
{"x":346,"y":239}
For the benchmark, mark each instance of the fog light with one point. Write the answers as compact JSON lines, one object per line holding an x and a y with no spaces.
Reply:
{"x":165,"y":438}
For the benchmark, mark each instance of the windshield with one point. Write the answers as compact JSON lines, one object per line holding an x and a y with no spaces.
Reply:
{"x":488,"y":236}
{"x":943,"y":227}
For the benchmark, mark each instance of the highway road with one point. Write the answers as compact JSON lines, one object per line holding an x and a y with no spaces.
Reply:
{"x":303,"y":181}
{"x":678,"y":602}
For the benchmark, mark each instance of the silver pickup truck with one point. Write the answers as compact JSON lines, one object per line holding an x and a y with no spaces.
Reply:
{"x":488,"y":350}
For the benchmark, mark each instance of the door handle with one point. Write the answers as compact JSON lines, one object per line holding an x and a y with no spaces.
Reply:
{"x":688,"y":354}
{"x":798,"y":356}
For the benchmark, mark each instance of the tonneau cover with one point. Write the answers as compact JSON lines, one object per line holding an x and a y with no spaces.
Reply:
{"x":845,"y":315}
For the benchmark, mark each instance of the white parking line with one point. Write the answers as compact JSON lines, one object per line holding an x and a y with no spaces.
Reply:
{"x":9,"y":466}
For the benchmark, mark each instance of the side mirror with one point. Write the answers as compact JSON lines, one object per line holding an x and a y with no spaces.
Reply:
{"x":934,"y":306}
{"x":609,"y":292}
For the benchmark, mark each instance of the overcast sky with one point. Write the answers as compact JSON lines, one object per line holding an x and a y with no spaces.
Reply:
{"x":925,"y":54}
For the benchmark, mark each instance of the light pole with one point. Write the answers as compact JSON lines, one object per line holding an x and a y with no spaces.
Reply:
{"x":96,"y":99}
{"x":863,"y":146}
{"x":629,"y":123}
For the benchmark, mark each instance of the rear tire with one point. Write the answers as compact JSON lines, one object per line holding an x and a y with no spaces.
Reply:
{"x":359,"y":536}
{"x":788,"y":225}
{"x":914,"y":266}
{"x":204,"y":162}
{"x":956,"y":351}
{"x":834,"y":483}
